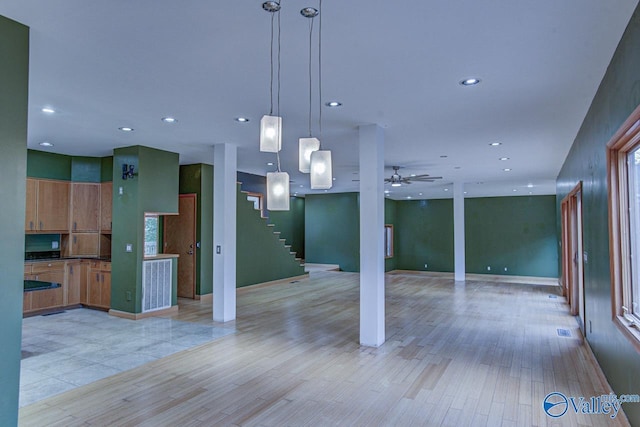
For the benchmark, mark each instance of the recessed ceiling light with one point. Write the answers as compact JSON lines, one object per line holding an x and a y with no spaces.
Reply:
{"x":515,"y":190}
{"x":530,"y":192}
{"x":46,"y":144}
{"x":507,"y":169}
{"x":529,"y":185}
{"x":504,"y":158}
{"x":495,"y":144}
{"x":326,"y":191}
{"x":419,"y":194}
{"x":465,"y":192}
{"x":413,"y":174}
{"x":408,"y":197}
{"x":241,"y":119}
{"x":446,"y":189}
{"x":334,"y":178}
{"x":470,"y":81}
{"x":333,"y":104}
{"x":126,"y":129}
{"x":301,"y":186}
{"x":48,"y":110}
{"x":169,"y":119}
{"x":269,"y":163}
{"x":386,"y":192}
{"x":396,"y":184}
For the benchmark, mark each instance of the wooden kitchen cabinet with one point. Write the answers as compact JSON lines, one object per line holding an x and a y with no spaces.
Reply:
{"x":47,"y":206}
{"x":49,"y":298}
{"x":106,"y":202}
{"x":99,"y":285}
{"x":85,"y":207}
{"x":82,"y":244}
{"x":75,"y":282}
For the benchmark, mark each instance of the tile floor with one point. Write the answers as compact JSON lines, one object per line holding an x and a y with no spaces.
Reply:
{"x":69,"y":349}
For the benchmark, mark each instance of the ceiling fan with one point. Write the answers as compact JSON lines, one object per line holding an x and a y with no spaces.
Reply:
{"x":397,"y":180}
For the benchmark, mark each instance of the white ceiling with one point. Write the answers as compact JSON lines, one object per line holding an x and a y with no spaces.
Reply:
{"x":106,"y":64}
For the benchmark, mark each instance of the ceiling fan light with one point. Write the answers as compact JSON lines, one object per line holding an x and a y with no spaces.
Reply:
{"x":277,"y":191}
{"x":321,"y":170}
{"x":270,"y":134}
{"x":396,"y":184}
{"x":306,"y":146}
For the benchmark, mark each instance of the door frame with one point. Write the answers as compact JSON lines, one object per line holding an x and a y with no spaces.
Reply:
{"x":573,"y":253}
{"x":194,"y":196}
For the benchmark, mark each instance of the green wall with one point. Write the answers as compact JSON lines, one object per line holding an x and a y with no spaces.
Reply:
{"x":86,"y":169}
{"x":106,"y":169}
{"x":41,"y":164}
{"x":424,"y":235}
{"x":14,"y":84}
{"x":154,"y":189}
{"x":332,"y":230}
{"x":516,"y":233}
{"x":617,"y":97}
{"x":261,"y":256}
{"x":290,"y":224}
{"x":198,"y":179}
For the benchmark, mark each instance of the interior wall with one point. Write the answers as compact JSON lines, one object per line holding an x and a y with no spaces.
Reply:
{"x":425,"y":235}
{"x":14,"y":84}
{"x":390,"y":218}
{"x":291,"y":225}
{"x":511,"y":236}
{"x":617,"y":96}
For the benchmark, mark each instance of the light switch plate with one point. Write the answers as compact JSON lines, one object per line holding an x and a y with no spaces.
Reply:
{"x":129,"y":247}
{"x":54,"y":245}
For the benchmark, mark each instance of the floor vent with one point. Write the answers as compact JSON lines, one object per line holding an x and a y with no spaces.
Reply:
{"x":564,"y":332}
{"x":156,"y":285}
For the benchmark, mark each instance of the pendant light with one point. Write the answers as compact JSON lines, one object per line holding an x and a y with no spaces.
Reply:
{"x":320,"y":167}
{"x":306,"y":146}
{"x":271,"y":125}
{"x":271,"y":131}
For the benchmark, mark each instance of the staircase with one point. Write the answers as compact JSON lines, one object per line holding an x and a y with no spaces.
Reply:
{"x":263,"y":256}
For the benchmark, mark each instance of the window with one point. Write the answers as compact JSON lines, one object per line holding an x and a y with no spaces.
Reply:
{"x":150,"y":235}
{"x":623,"y":155}
{"x":388,"y":241}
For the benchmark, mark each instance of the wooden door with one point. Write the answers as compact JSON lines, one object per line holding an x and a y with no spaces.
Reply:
{"x":30,"y":219}
{"x":53,"y":206}
{"x":572,"y":254}
{"x":180,"y":238}
{"x":85,"y":212}
{"x":106,"y":202}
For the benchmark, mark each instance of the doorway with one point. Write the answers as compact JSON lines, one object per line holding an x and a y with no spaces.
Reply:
{"x":573,"y":254}
{"x":180,"y":238}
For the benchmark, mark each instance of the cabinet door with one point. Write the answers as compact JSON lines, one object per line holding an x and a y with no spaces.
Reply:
{"x":105,"y":289}
{"x":31,"y":219}
{"x":84,"y":244}
{"x":53,"y":206}
{"x":85,"y":211}
{"x":74,"y":274}
{"x":49,"y":298}
{"x":84,"y":282}
{"x":94,"y":288}
{"x":106,"y":202}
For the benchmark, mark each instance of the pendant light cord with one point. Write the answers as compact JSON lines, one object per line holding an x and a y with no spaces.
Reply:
{"x":320,"y":71}
{"x":310,"y":73}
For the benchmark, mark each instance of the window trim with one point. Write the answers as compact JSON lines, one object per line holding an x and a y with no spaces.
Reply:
{"x":626,"y":139}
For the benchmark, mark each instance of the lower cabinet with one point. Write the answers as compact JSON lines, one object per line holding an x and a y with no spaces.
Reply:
{"x":47,"y":298}
{"x":99,"y":285}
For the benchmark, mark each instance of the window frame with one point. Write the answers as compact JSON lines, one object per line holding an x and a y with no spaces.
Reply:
{"x":624,"y":141}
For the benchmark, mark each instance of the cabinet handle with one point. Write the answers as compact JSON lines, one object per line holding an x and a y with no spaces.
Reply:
{"x":31,"y":225}
{"x":40,"y":225}
{"x":75,"y":225}
{"x":71,"y":269}
{"x":74,"y":239}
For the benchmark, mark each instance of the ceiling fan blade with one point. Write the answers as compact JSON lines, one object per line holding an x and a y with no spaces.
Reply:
{"x":425,"y":179}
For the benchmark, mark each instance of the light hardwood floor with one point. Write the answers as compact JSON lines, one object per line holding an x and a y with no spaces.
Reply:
{"x":477,"y":354}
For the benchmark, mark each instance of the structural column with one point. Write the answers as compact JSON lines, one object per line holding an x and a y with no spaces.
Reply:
{"x":224,"y":232}
{"x":458,"y":231}
{"x":371,"y":236}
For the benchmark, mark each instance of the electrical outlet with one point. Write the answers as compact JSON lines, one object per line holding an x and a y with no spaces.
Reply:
{"x":54,"y":245}
{"x":426,"y":266}
{"x":120,"y":191}
{"x":129,"y":247}
{"x":488,"y":268}
{"x":505,"y":269}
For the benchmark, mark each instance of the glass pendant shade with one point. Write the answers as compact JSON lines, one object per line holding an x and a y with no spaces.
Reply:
{"x":306,"y":146}
{"x":277,"y":191}
{"x":270,"y":134}
{"x":321,"y":173}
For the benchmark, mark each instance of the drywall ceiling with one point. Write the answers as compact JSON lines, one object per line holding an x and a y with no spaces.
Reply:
{"x":106,"y":64}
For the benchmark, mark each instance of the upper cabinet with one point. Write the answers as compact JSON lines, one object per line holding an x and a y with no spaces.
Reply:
{"x":85,"y":210}
{"x":47,"y":206}
{"x":106,"y":195}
